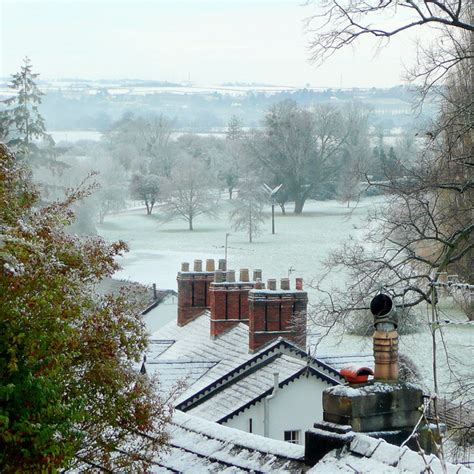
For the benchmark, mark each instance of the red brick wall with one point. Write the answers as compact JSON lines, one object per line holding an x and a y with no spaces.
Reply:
{"x":229,"y":305}
{"x":273,"y":314}
{"x":193,"y":295}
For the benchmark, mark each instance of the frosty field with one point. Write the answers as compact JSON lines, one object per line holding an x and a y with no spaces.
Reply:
{"x":298,"y":248}
{"x":300,"y":242}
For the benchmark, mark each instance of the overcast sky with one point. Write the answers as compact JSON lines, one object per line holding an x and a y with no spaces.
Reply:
{"x":210,"y":42}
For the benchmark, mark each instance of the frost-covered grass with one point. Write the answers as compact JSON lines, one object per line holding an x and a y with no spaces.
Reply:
{"x":300,"y":244}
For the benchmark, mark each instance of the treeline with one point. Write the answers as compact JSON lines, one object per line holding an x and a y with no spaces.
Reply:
{"x":319,"y":152}
{"x":78,"y":110}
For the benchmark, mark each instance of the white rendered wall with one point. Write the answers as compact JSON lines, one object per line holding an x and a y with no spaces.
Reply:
{"x":297,"y":406}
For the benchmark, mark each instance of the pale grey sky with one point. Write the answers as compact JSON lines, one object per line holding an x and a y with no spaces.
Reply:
{"x":211,"y":41}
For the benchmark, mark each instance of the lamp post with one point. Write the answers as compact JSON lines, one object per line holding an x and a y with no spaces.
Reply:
{"x":225,"y":247}
{"x":271,"y":194}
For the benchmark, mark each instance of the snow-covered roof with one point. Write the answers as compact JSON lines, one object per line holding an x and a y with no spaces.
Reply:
{"x":338,"y":362}
{"x":197,"y":445}
{"x":206,"y":364}
{"x":171,"y":371}
{"x":239,"y":393}
{"x":192,"y":342}
{"x":367,"y":454}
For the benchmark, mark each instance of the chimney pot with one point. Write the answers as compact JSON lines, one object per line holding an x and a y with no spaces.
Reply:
{"x":257,"y":275}
{"x":244,"y":274}
{"x":198,"y":265}
{"x":272,"y":284}
{"x":258,"y":284}
{"x":210,"y":266}
{"x":185,"y":267}
{"x":285,"y":283}
{"x":222,"y":264}
{"x":154,"y":291}
{"x":219,"y":276}
{"x":230,"y":275}
{"x":299,"y":284}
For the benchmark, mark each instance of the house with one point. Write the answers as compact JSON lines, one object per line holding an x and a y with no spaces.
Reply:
{"x":240,"y":348}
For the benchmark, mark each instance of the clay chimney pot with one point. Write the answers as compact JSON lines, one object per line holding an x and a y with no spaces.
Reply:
{"x":244,"y":274}
{"x":257,"y":275}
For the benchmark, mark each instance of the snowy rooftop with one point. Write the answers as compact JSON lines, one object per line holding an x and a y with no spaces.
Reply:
{"x":341,"y":361}
{"x":366,"y":454}
{"x":188,"y":354}
{"x":240,"y":393}
{"x":197,"y":445}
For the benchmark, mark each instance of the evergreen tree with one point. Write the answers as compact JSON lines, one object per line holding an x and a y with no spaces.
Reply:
{"x":247,"y":212}
{"x":234,"y":128}
{"x":22,"y":122}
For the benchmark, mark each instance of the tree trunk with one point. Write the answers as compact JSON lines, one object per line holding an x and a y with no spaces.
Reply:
{"x":148,"y":210}
{"x":190,"y":220}
{"x":282,"y":207}
{"x":299,"y":204}
{"x":231,"y":190}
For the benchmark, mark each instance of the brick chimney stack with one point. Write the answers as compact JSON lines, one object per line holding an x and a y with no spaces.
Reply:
{"x":193,"y":290}
{"x":277,"y":313}
{"x":229,"y":300}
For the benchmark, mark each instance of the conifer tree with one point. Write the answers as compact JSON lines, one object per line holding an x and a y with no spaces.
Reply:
{"x":22,"y":122}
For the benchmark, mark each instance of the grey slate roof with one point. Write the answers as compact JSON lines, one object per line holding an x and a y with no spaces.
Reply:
{"x":247,"y":389}
{"x":370,"y":455}
{"x":217,"y":361}
{"x":193,"y":343}
{"x":149,"y":300}
{"x":338,"y":362}
{"x":172,"y":371}
{"x":198,"y":445}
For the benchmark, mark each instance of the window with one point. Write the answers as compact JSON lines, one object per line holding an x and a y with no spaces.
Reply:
{"x":292,"y":436}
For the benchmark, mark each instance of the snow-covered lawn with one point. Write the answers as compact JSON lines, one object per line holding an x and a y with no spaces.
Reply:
{"x":300,"y":242}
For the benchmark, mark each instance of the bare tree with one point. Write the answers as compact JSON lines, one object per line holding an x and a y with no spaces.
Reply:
{"x":296,"y":147}
{"x":337,"y":24}
{"x":187,"y":192}
{"x":143,"y":144}
{"x":145,"y":188}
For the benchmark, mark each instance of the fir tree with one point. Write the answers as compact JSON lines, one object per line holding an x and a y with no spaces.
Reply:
{"x":22,"y":122}
{"x":247,"y":209}
{"x":234,"y":129}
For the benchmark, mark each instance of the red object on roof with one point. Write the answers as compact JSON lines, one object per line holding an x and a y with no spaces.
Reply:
{"x":356,"y":374}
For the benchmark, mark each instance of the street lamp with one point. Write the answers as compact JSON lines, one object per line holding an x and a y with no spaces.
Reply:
{"x":271,"y":194}
{"x":225,"y":248}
